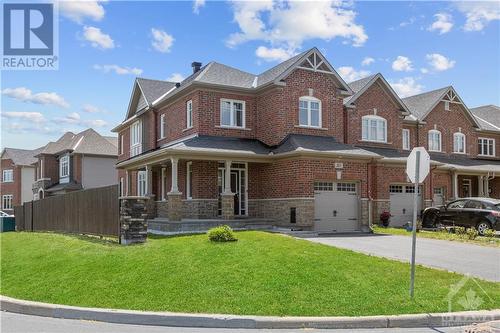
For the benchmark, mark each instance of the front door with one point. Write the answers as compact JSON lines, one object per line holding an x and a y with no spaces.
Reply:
{"x":238,"y":187}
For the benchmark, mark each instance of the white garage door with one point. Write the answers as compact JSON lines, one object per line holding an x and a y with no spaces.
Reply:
{"x":335,"y":207}
{"x":438,"y":197}
{"x":402,"y":204}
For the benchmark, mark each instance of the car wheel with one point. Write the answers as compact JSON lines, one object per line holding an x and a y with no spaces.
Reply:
{"x":430,"y":220}
{"x":482,"y":227}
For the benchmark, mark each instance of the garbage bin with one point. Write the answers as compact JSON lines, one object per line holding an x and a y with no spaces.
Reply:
{"x":7,"y":224}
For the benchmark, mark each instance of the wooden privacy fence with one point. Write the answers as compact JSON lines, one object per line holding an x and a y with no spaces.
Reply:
{"x":93,"y":211}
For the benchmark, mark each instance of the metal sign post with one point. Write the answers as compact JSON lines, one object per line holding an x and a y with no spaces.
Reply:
{"x":417,"y":168}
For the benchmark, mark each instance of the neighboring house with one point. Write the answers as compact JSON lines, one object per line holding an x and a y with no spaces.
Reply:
{"x":295,"y":144}
{"x":75,"y":162}
{"x":18,"y":175}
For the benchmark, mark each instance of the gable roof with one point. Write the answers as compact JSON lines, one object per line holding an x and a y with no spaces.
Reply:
{"x":361,"y":85}
{"x":153,"y":89}
{"x":22,"y":157}
{"x":422,"y":104}
{"x":488,"y":117}
{"x":85,"y":142}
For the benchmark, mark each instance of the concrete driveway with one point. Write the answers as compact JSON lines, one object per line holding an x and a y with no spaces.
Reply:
{"x":476,"y":260}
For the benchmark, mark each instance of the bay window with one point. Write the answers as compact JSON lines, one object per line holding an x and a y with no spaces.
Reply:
{"x":406,"y":139}
{"x":434,"y":140}
{"x":459,"y":143}
{"x":309,"y":112}
{"x":373,"y":128}
{"x":141,"y":183}
{"x":232,"y":113}
{"x":136,"y":138}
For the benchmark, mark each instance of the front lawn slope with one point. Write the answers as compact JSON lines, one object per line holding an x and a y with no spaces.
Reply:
{"x":261,"y":273}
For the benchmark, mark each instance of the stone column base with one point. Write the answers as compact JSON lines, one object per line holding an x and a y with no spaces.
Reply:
{"x":227,"y":200}
{"x":174,"y":206}
{"x":133,"y":220}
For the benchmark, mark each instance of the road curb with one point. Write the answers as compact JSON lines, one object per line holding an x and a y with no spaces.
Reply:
{"x":233,"y":321}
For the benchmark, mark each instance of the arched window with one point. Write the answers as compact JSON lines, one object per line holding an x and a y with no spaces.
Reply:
{"x":459,"y":143}
{"x":434,"y":140}
{"x":373,"y":128}
{"x":309,"y":111}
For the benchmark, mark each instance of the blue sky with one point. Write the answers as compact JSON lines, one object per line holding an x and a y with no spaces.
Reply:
{"x":417,"y":46}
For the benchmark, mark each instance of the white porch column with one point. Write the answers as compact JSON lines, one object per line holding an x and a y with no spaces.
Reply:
{"x":149,"y":180}
{"x":480,"y":186}
{"x":486,"y":186}
{"x":175,"y":188}
{"x":163,"y":183}
{"x":454,"y":184}
{"x":227,"y":177}
{"x":127,"y":183}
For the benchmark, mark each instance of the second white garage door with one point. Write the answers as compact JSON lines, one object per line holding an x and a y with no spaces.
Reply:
{"x":336,"y":207}
{"x":402,"y":204}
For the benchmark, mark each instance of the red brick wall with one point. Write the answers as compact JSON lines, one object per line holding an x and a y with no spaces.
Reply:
{"x":413,"y":136}
{"x":442,"y":179}
{"x":77,"y":168}
{"x":375,"y":97}
{"x":50,"y":168}
{"x":125,"y":153}
{"x":495,"y":188}
{"x":14,"y":187}
{"x":278,"y":110}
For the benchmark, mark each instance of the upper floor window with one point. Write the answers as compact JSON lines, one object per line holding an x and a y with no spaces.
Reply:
{"x":8,"y":176}
{"x":162,"y":126}
{"x":373,"y":128}
{"x":136,"y":138}
{"x":446,"y":105}
{"x":141,"y":183}
{"x":122,"y":187}
{"x":64,"y":166}
{"x":7,"y":201}
{"x":189,"y":114}
{"x":309,"y":112}
{"x":232,"y":113}
{"x":434,"y":140}
{"x":459,"y":143}
{"x":406,"y":139}
{"x":120,"y":147}
{"x":486,"y":147}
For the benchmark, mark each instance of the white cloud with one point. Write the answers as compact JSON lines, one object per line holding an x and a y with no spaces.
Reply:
{"x":175,"y":77}
{"x":402,"y":64}
{"x":118,"y":69}
{"x":349,"y":74}
{"x":410,"y":21}
{"x":424,"y":70}
{"x":94,"y":123}
{"x":97,"y":38}
{"x":89,"y":108}
{"x":407,"y":86}
{"x":443,"y":23}
{"x":79,"y":10}
{"x":74,"y":118}
{"x":26,"y":95}
{"x":289,"y":24}
{"x":440,"y":62}
{"x":33,"y":117}
{"x":479,"y":14}
{"x":367,"y":61}
{"x":162,"y":41}
{"x":197,"y":5}
{"x":273,"y":54}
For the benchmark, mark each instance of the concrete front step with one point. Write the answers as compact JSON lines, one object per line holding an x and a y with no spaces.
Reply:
{"x":164,"y":226}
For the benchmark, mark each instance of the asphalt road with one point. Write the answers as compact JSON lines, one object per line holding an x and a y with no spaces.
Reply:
{"x":476,"y":260}
{"x":16,"y":323}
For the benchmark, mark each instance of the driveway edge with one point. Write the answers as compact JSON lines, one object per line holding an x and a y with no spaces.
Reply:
{"x":233,"y":321}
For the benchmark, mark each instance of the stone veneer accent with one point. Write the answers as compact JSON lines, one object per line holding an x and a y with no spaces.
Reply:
{"x":227,"y":206}
{"x":162,"y":209}
{"x":174,"y":203}
{"x":364,"y":214}
{"x":280,"y":210}
{"x":133,"y":220}
{"x":200,"y":208}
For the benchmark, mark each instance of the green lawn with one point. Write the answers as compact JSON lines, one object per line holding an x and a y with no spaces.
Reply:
{"x":489,"y":241}
{"x":261,"y":273}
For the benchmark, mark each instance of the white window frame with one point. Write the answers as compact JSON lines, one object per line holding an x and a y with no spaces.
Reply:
{"x":7,"y":201}
{"x":8,"y":176}
{"x":121,"y":143}
{"x":309,"y":100}
{"x":232,"y":114}
{"x":189,"y":114}
{"x":136,"y":138}
{"x":458,"y":136}
{"x":64,"y":166}
{"x":481,"y":141}
{"x":431,"y":133}
{"x":141,"y":182}
{"x":189,"y":180}
{"x":162,"y":126}
{"x":447,"y":105}
{"x":122,"y":186}
{"x":367,"y":132}
{"x":405,"y":136}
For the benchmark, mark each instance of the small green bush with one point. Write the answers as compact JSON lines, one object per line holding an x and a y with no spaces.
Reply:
{"x":471,"y":233}
{"x":490,"y":233}
{"x":460,"y":231}
{"x":222,"y":233}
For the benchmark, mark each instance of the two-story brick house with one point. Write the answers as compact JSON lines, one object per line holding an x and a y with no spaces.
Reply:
{"x":295,"y":144}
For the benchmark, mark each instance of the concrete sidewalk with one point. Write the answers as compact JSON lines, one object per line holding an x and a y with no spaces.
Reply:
{"x":475,"y":260}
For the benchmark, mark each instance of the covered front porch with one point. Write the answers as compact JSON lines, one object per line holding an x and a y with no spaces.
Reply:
{"x":473,"y":184}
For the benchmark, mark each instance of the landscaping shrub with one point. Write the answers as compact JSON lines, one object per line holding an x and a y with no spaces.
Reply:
{"x":490,"y":233}
{"x":460,"y":231}
{"x":222,"y":233}
{"x":471,"y":233}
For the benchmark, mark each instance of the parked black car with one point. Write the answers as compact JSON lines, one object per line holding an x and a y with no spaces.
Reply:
{"x":479,"y":213}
